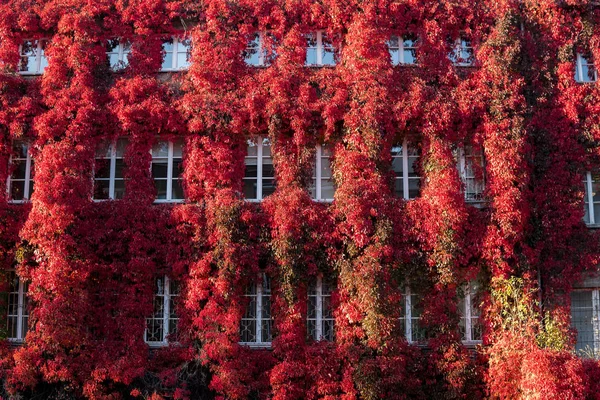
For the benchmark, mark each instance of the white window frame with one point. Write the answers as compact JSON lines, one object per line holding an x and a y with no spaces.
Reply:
{"x":174,"y":66}
{"x":259,"y":343}
{"x":166,"y":320}
{"x":259,"y":168}
{"x":581,"y":61}
{"x":112,"y":172}
{"x":405,"y":176}
{"x":408,"y":319}
{"x":462,"y":169}
{"x":457,"y":49}
{"x":260,"y":50}
{"x":170,"y":178}
{"x":39,"y":55}
{"x":318,"y":176}
{"x":320,"y":51}
{"x":319,"y":318}
{"x":21,"y":312}
{"x":595,"y":318}
{"x":468,"y":315}
{"x":122,"y":56}
{"x":400,"y":47}
{"x":589,"y":199}
{"x":28,"y":180}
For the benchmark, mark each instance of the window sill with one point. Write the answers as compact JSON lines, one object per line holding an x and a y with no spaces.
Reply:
{"x":19,"y":201}
{"x":26,"y":73}
{"x":175,"y":201}
{"x":254,"y":345}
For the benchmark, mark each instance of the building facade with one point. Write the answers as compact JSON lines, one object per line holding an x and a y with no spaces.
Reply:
{"x":286,"y":200}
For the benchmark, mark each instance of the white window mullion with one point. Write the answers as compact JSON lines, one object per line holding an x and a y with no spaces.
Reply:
{"x":579,"y":68}
{"x":26,"y":190}
{"x":318,"y":174}
{"x":405,"y":183}
{"x":408,"y":314}
{"x":170,"y":171}
{"x":596,"y":321}
{"x":20,"y":304}
{"x":319,"y":310}
{"x":38,"y":57}
{"x":113,"y":167}
{"x":174,"y":60}
{"x":259,"y":313}
{"x":590,"y":196}
{"x":166,"y":308}
{"x":319,"y":48}
{"x":468,"y":336}
{"x":259,"y":168}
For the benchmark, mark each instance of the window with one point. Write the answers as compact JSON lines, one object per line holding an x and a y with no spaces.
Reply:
{"x":585,"y":318}
{"x":177,"y":54}
{"x":471,"y":169}
{"x":320,"y":320}
{"x":162,"y":325}
{"x":166,"y":170}
{"x":108,"y":171}
{"x":402,"y":51}
{"x":585,"y":70}
{"x":259,"y":178}
{"x":255,"y":327}
{"x":33,"y":60}
{"x":20,"y":181}
{"x":411,"y":316}
{"x":468,"y":307}
{"x":404,"y":162}
{"x":462,"y":53}
{"x":17,"y":308}
{"x":117,"y":53}
{"x":319,"y":50}
{"x":322,"y":187}
{"x":592,"y":198}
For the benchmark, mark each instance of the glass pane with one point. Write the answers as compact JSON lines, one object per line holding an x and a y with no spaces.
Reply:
{"x":101,"y":189}
{"x":268,"y":187}
{"x":17,"y":190}
{"x":176,"y":167}
{"x":20,"y":150}
{"x":582,"y":321}
{"x":177,"y":190}
{"x":18,"y":169}
{"x":160,"y":149}
{"x":119,"y":189}
{"x":311,"y":56}
{"x":327,"y":189}
{"x":119,"y":164}
{"x":328,"y":56}
{"x":325,"y":167}
{"x":121,"y":145}
{"x":268,"y":168}
{"x":250,"y":188}
{"x":159,"y":169}
{"x":102,"y":168}
{"x":410,"y":56}
{"x":251,"y":170}
{"x":161,"y":188}
{"x":413,"y":188}
{"x":251,"y":55}
{"x":177,"y":148}
{"x":399,"y":188}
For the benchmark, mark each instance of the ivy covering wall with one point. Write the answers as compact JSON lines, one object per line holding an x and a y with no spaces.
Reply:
{"x":91,"y":266}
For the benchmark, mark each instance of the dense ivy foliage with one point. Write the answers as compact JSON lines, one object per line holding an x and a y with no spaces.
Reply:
{"x":91,"y":265}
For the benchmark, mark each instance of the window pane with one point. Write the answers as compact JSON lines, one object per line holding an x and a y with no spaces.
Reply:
{"x":251,"y":56}
{"x":161,"y":189}
{"x":410,"y":56}
{"x":177,"y":190}
{"x":119,"y":189}
{"x":101,"y":189}
{"x":17,"y":190}
{"x":18,"y":169}
{"x":159,"y":168}
{"x":119,"y":164}
{"x":311,"y":56}
{"x":268,"y":187}
{"x":327,"y":189}
{"x":250,"y":188}
{"x":582,"y":321}
{"x":102,"y":168}
{"x":160,"y":149}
